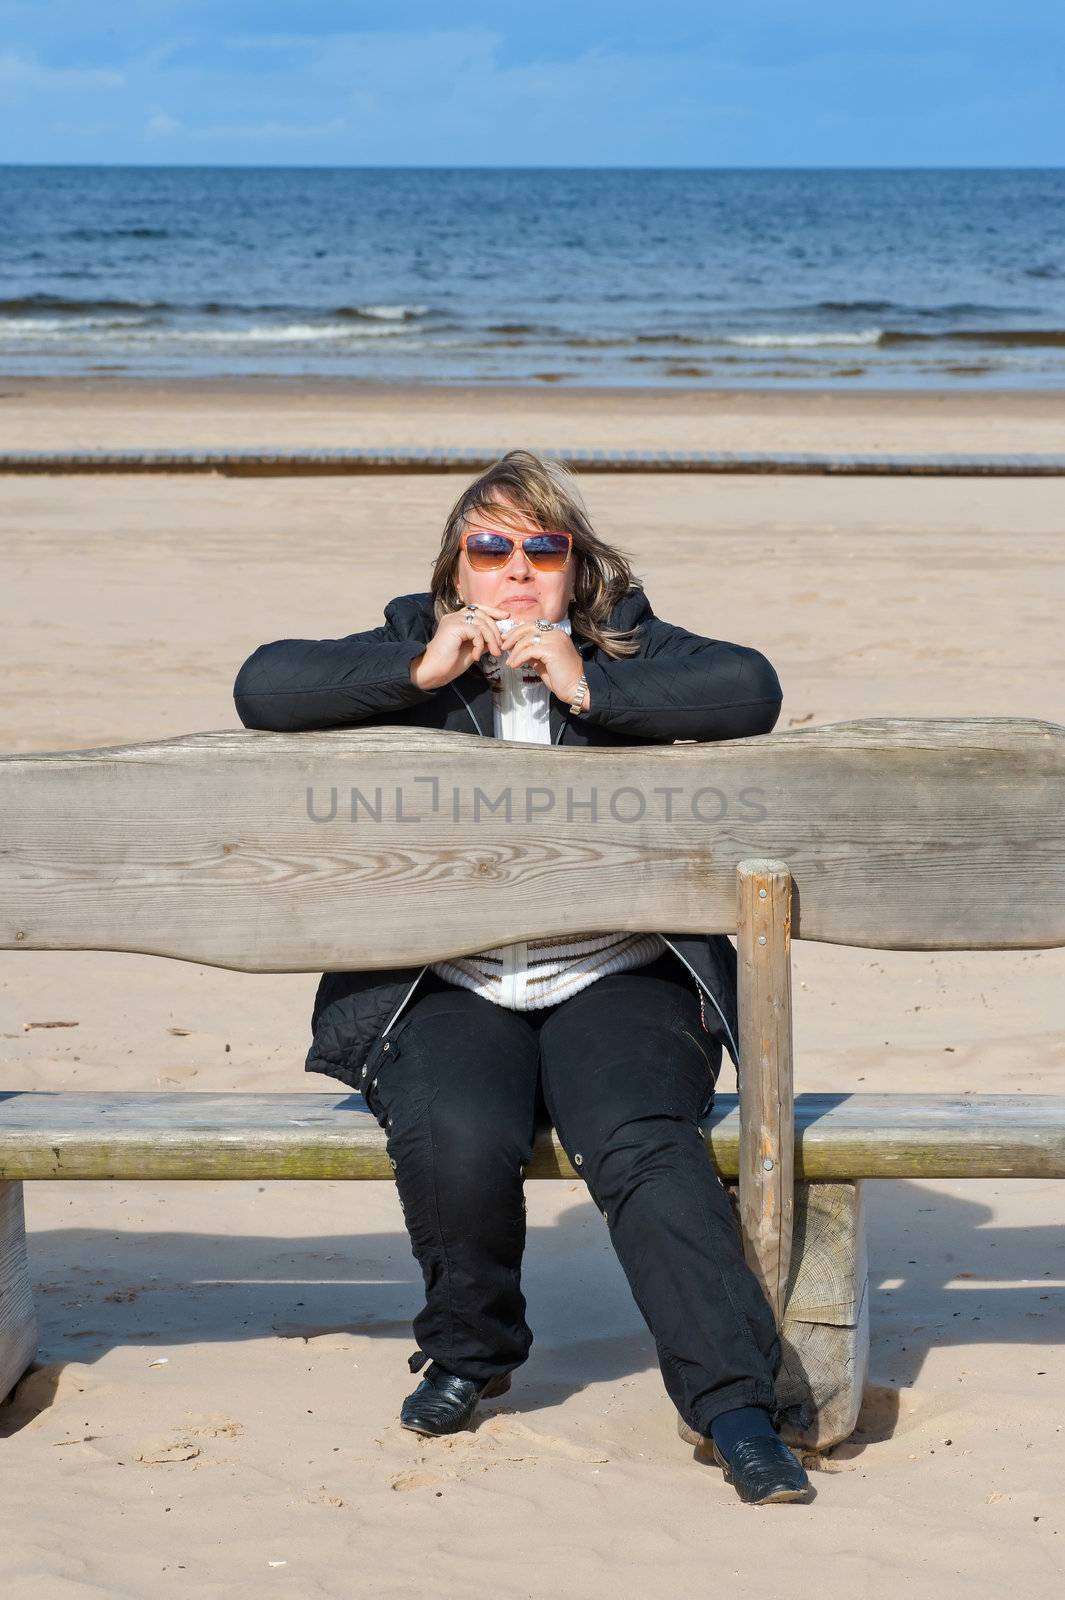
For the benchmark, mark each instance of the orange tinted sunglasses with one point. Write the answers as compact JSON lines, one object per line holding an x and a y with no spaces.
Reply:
{"x":488,"y":549}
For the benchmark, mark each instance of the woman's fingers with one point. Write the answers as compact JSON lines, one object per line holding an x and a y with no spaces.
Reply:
{"x":475,"y":637}
{"x":524,"y":645}
{"x":490,"y":635}
{"x":494,"y":637}
{"x":484,"y":620}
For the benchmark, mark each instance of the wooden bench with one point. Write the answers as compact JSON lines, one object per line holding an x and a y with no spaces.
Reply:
{"x":306,"y":852}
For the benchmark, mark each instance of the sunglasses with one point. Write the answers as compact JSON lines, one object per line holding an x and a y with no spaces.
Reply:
{"x":488,"y":550}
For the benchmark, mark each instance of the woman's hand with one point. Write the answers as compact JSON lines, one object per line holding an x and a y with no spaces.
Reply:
{"x":555,"y":659}
{"x":456,"y":645}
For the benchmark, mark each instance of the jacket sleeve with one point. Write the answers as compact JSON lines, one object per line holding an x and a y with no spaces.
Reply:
{"x":295,"y":685}
{"x":685,"y":687}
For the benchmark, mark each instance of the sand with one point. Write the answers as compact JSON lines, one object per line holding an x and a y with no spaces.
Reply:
{"x":221,"y":1365}
{"x":100,"y":413}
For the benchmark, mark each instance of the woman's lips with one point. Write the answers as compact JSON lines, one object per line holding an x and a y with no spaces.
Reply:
{"x":525,"y":600}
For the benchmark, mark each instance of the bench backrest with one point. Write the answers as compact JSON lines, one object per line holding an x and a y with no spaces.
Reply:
{"x":393,"y":846}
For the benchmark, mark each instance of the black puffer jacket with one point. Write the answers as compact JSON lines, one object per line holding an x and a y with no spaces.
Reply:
{"x":680,"y":686}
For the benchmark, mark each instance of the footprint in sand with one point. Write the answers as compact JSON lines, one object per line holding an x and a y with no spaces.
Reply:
{"x":502,"y":1440}
{"x":215,"y":1428}
{"x":887,"y":1413}
{"x":417,"y":1480}
{"x":165,"y":1451}
{"x":46,"y":1390}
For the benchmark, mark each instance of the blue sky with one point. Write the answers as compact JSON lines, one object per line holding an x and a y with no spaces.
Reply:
{"x":539,"y":83}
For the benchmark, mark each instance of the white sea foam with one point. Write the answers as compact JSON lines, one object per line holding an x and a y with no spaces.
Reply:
{"x":392,"y":313}
{"x":764,"y":341}
{"x":108,"y":330}
{"x":63,"y":327}
{"x":280,"y":333}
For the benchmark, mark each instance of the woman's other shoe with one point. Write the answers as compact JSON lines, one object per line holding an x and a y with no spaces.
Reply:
{"x":444,"y":1403}
{"x":764,"y":1471}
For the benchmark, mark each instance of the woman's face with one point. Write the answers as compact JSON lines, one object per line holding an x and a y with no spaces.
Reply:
{"x":520,"y":588}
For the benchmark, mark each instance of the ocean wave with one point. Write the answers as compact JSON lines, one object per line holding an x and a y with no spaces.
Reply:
{"x":283,"y":333}
{"x":134,"y":331}
{"x":30,"y":328}
{"x":95,"y":235}
{"x":870,"y":307}
{"x":767,"y":341}
{"x":904,"y":309}
{"x":28,"y":304}
{"x":1033,"y":338}
{"x":213,"y":325}
{"x":669,"y":338}
{"x":68,"y":305}
{"x":383,"y":313}
{"x":586,"y":341}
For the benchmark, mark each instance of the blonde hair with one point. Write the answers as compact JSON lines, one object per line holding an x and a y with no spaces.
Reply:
{"x":546,"y":492}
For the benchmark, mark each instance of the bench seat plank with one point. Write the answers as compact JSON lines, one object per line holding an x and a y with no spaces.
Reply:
{"x":838,"y":1137}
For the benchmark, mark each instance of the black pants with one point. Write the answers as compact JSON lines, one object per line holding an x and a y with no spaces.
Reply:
{"x":623,"y":1070}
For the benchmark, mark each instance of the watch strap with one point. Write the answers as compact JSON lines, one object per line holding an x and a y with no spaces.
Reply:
{"x":578,"y":695}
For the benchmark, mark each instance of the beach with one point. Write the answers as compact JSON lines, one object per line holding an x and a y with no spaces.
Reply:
{"x":318,"y":413}
{"x":221,"y":1365}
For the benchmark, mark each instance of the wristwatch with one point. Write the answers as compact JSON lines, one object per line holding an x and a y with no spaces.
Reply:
{"x":578,"y":695}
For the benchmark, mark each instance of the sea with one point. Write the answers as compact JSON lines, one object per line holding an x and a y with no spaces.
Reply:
{"x":686,"y":278}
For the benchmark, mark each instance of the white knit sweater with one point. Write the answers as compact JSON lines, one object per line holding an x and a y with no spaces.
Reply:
{"x":539,"y":972}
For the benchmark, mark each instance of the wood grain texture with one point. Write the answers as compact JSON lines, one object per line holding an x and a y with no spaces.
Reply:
{"x":899,"y":834}
{"x":824,"y":1333}
{"x":75,"y":1134}
{"x":767,"y":1113}
{"x":18,"y":1319}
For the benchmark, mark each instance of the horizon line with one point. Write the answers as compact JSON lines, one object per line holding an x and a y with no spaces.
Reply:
{"x":283,"y":166}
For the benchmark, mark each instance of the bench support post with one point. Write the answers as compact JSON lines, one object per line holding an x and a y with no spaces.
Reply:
{"x":824,"y":1334}
{"x":18,"y":1319}
{"x":805,"y":1243}
{"x":767,"y":1097}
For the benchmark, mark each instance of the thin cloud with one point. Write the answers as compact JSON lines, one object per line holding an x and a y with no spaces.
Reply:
{"x":504,"y":91}
{"x":23,"y":72}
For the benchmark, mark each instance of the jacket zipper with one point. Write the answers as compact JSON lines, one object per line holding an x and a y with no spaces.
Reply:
{"x":406,"y":997}
{"x":706,"y":991}
{"x":469,"y":708}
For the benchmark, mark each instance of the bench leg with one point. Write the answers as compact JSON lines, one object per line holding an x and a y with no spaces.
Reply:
{"x":824,"y":1332}
{"x":805,"y":1242}
{"x":18,"y":1319}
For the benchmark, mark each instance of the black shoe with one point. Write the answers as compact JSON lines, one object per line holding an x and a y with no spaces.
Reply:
{"x":764,"y":1471}
{"x":443,"y":1403}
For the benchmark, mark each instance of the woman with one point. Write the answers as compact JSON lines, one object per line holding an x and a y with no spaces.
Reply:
{"x":535,"y":630}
